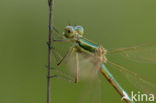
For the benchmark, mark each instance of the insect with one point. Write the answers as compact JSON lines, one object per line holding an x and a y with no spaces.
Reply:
{"x":83,"y":46}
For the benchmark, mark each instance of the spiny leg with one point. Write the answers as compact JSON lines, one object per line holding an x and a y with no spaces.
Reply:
{"x":58,"y":33}
{"x":77,"y":68}
{"x":57,"y":56}
{"x":67,"y":53}
{"x":61,"y":77}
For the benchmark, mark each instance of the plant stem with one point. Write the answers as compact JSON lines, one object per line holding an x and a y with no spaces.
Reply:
{"x":49,"y":51}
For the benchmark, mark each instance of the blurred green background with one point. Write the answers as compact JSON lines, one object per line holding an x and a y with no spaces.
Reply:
{"x":24,"y":32}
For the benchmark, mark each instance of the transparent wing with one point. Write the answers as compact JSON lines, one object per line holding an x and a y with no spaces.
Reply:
{"x":145,"y":53}
{"x":91,"y":93}
{"x":87,"y":66}
{"x":89,"y":74}
{"x":141,"y":82}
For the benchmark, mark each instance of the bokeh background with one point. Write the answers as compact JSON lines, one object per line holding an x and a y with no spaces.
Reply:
{"x":23,"y":49}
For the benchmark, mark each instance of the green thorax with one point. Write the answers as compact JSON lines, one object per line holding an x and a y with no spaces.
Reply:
{"x":87,"y":45}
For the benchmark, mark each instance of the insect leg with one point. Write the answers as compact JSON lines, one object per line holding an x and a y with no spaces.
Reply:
{"x":61,"y":37}
{"x":77,"y":67}
{"x":67,"y":53}
{"x":58,"y":33}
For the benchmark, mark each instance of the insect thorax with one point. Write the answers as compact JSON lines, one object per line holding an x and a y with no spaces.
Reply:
{"x":100,"y":54}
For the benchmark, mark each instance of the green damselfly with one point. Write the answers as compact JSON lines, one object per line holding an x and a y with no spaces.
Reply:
{"x":81,"y":45}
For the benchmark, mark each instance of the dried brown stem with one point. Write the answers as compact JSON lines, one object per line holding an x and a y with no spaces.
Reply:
{"x":50,"y":2}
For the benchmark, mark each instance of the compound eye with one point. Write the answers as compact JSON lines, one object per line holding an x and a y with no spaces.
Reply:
{"x":68,"y":31}
{"x":79,"y":29}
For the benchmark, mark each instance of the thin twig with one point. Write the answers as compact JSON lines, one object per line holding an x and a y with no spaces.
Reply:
{"x":50,"y":2}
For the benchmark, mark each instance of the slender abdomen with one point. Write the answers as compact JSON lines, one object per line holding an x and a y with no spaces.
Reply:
{"x":114,"y":83}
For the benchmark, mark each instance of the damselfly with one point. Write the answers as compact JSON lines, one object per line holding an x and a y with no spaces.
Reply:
{"x":87,"y":48}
